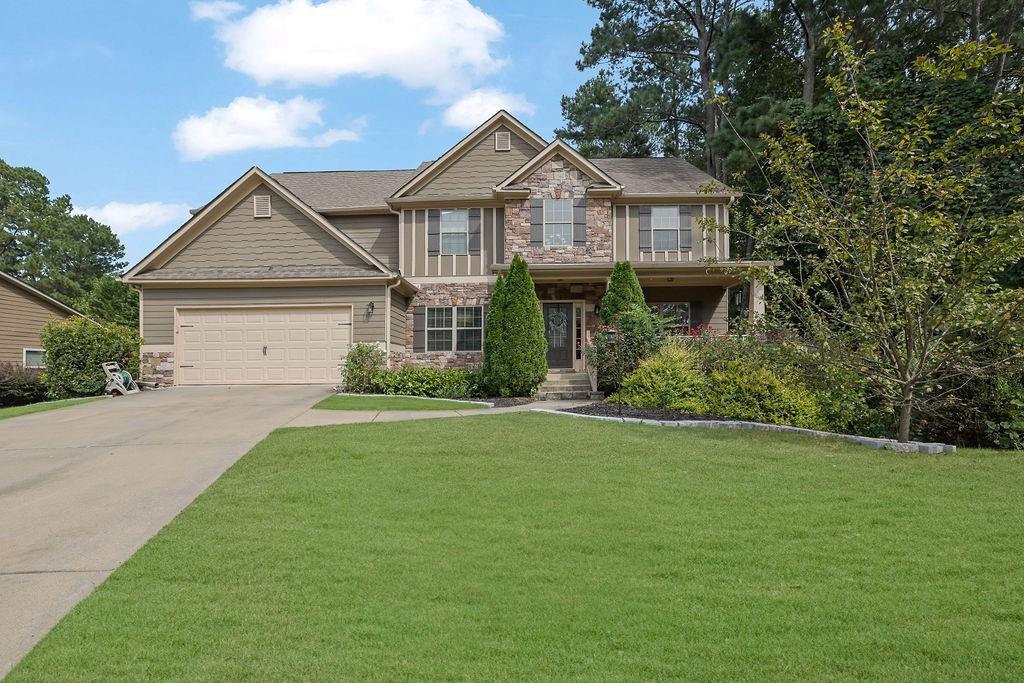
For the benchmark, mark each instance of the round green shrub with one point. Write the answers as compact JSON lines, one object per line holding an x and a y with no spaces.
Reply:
{"x":743,"y":391}
{"x":670,"y":378}
{"x":363,"y":365}
{"x":75,"y":350}
{"x":20,"y":386}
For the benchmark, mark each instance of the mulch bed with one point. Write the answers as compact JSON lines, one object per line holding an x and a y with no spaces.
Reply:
{"x":606,"y":409}
{"x":508,"y":401}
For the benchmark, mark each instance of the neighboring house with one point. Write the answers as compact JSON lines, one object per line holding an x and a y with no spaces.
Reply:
{"x":274,"y":278}
{"x":23,"y":312}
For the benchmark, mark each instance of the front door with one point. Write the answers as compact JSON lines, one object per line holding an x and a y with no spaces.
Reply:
{"x":558,"y":332}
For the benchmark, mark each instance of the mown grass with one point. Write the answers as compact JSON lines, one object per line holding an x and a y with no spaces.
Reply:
{"x":15,"y":411}
{"x":526,"y":546}
{"x":358,"y":402}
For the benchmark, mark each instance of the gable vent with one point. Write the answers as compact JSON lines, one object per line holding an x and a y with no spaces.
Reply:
{"x":261,"y":206}
{"x":502,"y":141}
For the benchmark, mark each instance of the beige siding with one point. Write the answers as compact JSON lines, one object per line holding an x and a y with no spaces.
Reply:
{"x":419,"y":264}
{"x":377,"y":234}
{"x":287,"y":238}
{"x":713,"y":300}
{"x":715,"y":245}
{"x":158,"y":305}
{"x":399,"y":312}
{"x":479,"y":169}
{"x":22,"y":317}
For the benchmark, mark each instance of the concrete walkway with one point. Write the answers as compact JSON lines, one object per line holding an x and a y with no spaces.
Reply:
{"x":318,"y":418}
{"x":83,"y":487}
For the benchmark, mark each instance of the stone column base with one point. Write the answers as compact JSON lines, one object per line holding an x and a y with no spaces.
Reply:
{"x":158,"y":367}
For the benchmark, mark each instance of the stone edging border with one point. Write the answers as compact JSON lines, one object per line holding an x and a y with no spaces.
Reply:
{"x":486,"y":404}
{"x":870,"y":442}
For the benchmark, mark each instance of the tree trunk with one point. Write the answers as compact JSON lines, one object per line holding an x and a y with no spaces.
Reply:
{"x":906,"y":412}
{"x":975,"y":19}
{"x":809,"y":69}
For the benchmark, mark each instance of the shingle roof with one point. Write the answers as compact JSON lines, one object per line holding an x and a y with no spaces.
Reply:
{"x":323,"y":190}
{"x":256,"y":273}
{"x":655,"y":175}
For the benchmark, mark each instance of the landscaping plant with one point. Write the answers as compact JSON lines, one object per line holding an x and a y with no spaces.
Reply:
{"x":744,"y":391}
{"x":516,"y":360}
{"x":618,"y":349}
{"x":363,"y":366}
{"x":671,"y":378}
{"x":429,"y":382}
{"x":624,"y":293}
{"x":20,"y":386}
{"x":75,"y":350}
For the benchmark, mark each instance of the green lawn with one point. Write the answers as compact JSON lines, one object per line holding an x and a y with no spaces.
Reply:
{"x":354,"y":402}
{"x":15,"y":411}
{"x":531,"y":547}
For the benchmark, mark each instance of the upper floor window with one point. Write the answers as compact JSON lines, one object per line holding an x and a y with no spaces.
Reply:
{"x":670,"y":228}
{"x":557,"y":222}
{"x":455,"y":231}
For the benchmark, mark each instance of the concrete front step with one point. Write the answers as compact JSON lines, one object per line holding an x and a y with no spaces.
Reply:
{"x":569,"y":395}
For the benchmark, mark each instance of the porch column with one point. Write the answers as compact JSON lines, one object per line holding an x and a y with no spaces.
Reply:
{"x":755,"y":308}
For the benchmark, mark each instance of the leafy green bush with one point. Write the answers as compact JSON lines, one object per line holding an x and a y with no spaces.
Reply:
{"x":363,"y":365}
{"x":618,"y":349}
{"x":624,"y":293}
{"x":516,"y":360}
{"x":75,"y":351}
{"x":744,"y":391}
{"x":429,"y":382}
{"x":986,"y":411}
{"x":671,"y":378}
{"x":20,"y":386}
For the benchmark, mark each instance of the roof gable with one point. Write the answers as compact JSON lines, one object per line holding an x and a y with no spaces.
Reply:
{"x":228,"y":200}
{"x":30,"y":291}
{"x":564,"y":150}
{"x":478,"y":140}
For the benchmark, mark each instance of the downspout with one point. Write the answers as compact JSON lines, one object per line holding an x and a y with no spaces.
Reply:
{"x":388,"y":288}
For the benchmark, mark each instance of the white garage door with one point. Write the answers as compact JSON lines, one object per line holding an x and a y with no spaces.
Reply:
{"x":301,"y":345}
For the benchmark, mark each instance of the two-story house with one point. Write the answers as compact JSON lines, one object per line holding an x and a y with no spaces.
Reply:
{"x":274,"y":279}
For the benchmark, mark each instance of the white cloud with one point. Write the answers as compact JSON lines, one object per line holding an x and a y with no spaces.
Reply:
{"x":475,"y":107}
{"x":125,"y":217}
{"x":258,"y":123}
{"x":440,"y":44}
{"x":214,"y":10}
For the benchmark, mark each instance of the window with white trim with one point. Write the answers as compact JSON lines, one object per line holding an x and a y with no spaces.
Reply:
{"x":665,"y":224}
{"x":454,"y":232}
{"x":557,"y":222}
{"x":455,"y":328}
{"x":678,"y":313}
{"x":33,"y":358}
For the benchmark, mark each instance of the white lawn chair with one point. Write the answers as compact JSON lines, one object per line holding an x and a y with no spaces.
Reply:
{"x":119,"y":380}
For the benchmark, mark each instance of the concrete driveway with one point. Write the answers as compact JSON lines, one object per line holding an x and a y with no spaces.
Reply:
{"x":82,"y":488}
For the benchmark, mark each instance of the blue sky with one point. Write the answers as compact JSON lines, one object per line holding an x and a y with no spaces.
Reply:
{"x":139,"y":110}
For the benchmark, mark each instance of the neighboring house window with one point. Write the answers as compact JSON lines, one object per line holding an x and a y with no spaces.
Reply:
{"x":439,"y":328}
{"x":459,"y":328}
{"x":455,"y":232}
{"x":33,"y":358}
{"x":470,"y":332}
{"x":665,"y":224}
{"x":679,"y":313}
{"x":557,"y":222}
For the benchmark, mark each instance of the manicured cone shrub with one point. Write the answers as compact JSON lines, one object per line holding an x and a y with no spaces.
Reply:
{"x":75,"y":351}
{"x":493,"y":335}
{"x":624,"y":293}
{"x":363,"y":365}
{"x":20,"y":386}
{"x":671,"y":378}
{"x":518,"y":362}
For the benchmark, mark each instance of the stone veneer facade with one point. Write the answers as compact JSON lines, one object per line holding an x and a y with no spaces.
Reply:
{"x":157,"y":367}
{"x":443,"y":294}
{"x":558,"y":179}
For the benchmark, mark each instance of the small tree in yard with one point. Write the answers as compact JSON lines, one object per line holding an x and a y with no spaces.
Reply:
{"x":516,"y":360}
{"x":624,"y":292}
{"x":892,"y":268}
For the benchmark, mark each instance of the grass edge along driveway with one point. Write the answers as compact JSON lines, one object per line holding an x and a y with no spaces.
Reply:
{"x":17,"y":411}
{"x":532,"y":546}
{"x":374,"y":402}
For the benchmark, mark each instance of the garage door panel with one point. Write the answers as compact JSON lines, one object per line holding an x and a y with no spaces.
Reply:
{"x":263,"y":346}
